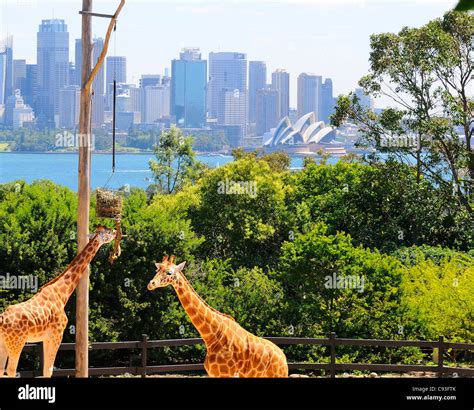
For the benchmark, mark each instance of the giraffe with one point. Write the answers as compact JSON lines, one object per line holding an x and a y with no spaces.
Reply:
{"x":42,"y":318}
{"x":232,"y":351}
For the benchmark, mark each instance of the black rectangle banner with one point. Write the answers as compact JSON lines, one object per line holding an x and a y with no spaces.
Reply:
{"x":204,"y":393}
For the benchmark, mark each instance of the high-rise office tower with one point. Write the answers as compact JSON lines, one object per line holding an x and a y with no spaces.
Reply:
{"x":69,"y":103}
{"x":188,"y":89}
{"x":257,"y":81}
{"x":137,"y":102}
{"x":116,"y":70}
{"x":153,"y":80}
{"x":31,"y":85}
{"x":78,"y":62}
{"x":309,"y":95}
{"x":281,"y":83}
{"x":157,"y":103}
{"x":327,"y":100}
{"x":19,"y":75}
{"x":2,"y":78}
{"x":227,"y":71}
{"x":98,"y":85}
{"x":267,"y":110}
{"x":53,"y":68}
{"x":233,"y":108}
{"x":72,"y":73}
{"x":6,"y":69}
{"x":365,"y":100}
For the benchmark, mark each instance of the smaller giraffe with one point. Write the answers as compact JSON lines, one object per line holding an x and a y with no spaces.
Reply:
{"x":231,"y":350}
{"x":42,"y":318}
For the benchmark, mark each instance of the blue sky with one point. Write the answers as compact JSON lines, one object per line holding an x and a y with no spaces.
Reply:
{"x":326,"y":37}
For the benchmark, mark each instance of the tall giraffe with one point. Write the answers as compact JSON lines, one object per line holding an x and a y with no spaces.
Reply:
{"x":42,"y":318}
{"x":231,"y":350}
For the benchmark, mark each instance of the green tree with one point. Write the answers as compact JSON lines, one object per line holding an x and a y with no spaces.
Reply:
{"x":380,"y":205}
{"x":464,"y":5}
{"x":37,"y":233}
{"x":175,"y":161}
{"x":308,"y":265}
{"x":278,"y":161}
{"x":427,"y":73}
{"x":438,"y":294}
{"x":242,"y":213}
{"x":209,"y":143}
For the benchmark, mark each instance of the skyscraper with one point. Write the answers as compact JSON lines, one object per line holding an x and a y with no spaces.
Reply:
{"x":365,"y":100}
{"x":53,"y":68}
{"x":69,"y":102}
{"x":327,"y":100}
{"x":78,"y":63}
{"x":31,"y":84}
{"x":227,"y":71}
{"x":6,"y":69}
{"x":188,"y":89}
{"x":137,"y":102}
{"x":257,"y":81}
{"x":116,"y":70}
{"x":19,"y":75}
{"x":148,"y":80}
{"x":281,"y":83}
{"x":3,"y":67}
{"x":309,"y":95}
{"x":98,"y":100}
{"x":157,"y":103}
{"x":267,"y":110}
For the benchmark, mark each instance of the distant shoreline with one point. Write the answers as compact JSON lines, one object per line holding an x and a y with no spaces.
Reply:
{"x":212,"y":154}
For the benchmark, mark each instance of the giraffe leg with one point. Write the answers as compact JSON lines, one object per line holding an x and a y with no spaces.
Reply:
{"x":14,"y":353}
{"x":50,"y":350}
{"x":52,"y":343}
{"x":3,"y":358}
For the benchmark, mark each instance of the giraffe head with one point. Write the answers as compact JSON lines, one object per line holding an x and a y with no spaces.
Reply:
{"x":166,"y":273}
{"x":103,"y":234}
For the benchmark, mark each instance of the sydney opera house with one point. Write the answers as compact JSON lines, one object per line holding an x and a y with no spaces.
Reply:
{"x":304,"y":136}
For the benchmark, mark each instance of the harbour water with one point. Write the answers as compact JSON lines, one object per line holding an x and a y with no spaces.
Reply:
{"x":131,"y":169}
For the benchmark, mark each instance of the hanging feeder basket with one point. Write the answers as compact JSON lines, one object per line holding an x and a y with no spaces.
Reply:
{"x":108,"y":204}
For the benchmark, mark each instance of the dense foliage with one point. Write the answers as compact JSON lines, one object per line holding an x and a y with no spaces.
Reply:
{"x":266,"y":257}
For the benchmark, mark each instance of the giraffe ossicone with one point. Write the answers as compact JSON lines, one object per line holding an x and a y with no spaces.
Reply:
{"x":42,"y":318}
{"x":231,"y":350}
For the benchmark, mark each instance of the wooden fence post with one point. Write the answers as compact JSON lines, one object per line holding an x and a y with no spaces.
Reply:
{"x":440,"y":356}
{"x":144,"y":355}
{"x":332,"y":338}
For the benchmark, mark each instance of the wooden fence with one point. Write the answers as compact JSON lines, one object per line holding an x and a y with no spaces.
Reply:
{"x":332,"y":367}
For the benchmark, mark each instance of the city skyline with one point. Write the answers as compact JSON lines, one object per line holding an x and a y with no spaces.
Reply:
{"x":327,"y":48}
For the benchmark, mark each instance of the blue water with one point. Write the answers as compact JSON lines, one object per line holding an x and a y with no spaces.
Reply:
{"x":130,"y":169}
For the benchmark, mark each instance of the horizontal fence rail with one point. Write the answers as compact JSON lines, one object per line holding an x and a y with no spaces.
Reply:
{"x":332,"y":367}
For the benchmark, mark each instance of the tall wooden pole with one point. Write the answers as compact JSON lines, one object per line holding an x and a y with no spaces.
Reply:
{"x":87,"y":77}
{"x":82,"y":291}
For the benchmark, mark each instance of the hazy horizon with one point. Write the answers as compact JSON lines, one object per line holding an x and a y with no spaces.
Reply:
{"x":328,"y":38}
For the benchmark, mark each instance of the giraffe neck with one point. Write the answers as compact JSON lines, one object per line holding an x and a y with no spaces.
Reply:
{"x":205,"y":319}
{"x":67,"y":281}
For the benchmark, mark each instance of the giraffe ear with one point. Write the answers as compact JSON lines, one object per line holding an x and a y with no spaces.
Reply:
{"x":91,"y":235}
{"x":180,"y":267}
{"x":158,"y":265}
